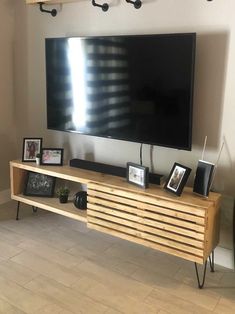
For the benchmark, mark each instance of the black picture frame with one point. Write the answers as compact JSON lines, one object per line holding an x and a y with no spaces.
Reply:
{"x":38,"y":184}
{"x":52,"y":156}
{"x":177,"y":178}
{"x":31,"y":147}
{"x":137,"y":175}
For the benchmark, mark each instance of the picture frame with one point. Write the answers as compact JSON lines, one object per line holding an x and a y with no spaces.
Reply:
{"x":137,"y":175}
{"x":52,"y":156}
{"x":177,"y":178}
{"x":38,"y":184}
{"x":31,"y":147}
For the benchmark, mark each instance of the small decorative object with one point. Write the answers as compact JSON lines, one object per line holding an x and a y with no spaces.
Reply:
{"x":137,"y":174}
{"x":177,"y":179}
{"x":63,"y":193}
{"x":80,"y":200}
{"x":31,"y":147}
{"x":38,"y":184}
{"x":52,"y":156}
{"x":38,"y":157}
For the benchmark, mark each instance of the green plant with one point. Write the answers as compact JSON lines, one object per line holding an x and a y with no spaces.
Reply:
{"x":62,"y":191}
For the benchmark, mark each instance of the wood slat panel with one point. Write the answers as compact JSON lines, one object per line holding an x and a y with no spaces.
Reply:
{"x":159,"y":225}
{"x":173,"y":221}
{"x":159,"y":232}
{"x":144,"y":206}
{"x":114,"y":212}
{"x":187,"y":208}
{"x":170,"y":235}
{"x":150,"y":244}
{"x":111,"y":204}
{"x":115,"y":199}
{"x":123,"y":225}
{"x":191,"y":233}
{"x":174,"y":213}
{"x":171,"y":228}
{"x":155,"y":216}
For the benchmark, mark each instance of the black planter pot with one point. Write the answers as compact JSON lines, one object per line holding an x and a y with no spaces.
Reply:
{"x":63,"y":198}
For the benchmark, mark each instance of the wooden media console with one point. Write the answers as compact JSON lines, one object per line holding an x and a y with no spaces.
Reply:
{"x":185,"y":226}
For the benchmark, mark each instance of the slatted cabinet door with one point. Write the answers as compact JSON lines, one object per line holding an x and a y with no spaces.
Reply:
{"x":171,"y":227}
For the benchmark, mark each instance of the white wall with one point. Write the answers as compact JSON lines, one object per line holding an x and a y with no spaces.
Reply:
{"x":7,"y":110}
{"x":215,"y":65}
{"x":214,"y":99}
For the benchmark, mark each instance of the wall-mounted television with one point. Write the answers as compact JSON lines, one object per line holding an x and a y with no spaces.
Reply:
{"x":137,"y":88}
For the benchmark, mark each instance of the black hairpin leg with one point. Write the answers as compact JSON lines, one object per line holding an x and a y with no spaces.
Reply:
{"x":18,"y":209}
{"x":35,"y":209}
{"x":212,"y":267}
{"x":201,"y":283}
{"x":212,"y":262}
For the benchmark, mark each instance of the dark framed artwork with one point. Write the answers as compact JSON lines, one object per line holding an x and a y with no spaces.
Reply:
{"x":137,"y":174}
{"x":52,"y":156}
{"x":38,"y":184}
{"x":177,"y":178}
{"x":31,"y":147}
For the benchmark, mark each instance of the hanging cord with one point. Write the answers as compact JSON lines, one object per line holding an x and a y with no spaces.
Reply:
{"x":216,"y":165}
{"x":141,"y":154}
{"x":204,"y":148}
{"x":151,"y":158}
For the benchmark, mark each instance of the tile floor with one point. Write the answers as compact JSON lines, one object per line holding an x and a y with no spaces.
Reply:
{"x":52,"y":264}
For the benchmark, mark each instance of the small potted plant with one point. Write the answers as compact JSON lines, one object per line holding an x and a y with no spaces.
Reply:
{"x":63,"y":194}
{"x":38,"y":157}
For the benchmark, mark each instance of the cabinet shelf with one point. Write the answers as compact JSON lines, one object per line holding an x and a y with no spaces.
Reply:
{"x":52,"y":204}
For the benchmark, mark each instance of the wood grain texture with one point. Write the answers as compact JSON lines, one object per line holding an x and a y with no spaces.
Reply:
{"x":156,"y":220}
{"x":185,"y":226}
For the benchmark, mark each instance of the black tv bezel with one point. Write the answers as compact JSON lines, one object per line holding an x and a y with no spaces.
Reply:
{"x":193,"y":36}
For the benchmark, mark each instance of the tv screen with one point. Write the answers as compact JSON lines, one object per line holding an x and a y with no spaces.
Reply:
{"x":134,"y":88}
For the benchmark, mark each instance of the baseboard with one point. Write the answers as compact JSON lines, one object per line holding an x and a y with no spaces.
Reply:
{"x":5,"y":196}
{"x":224,"y":257}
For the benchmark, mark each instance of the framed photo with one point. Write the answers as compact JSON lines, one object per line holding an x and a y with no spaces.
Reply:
{"x":31,"y":147}
{"x":52,"y":156}
{"x":137,"y":174}
{"x":177,"y":179}
{"x":38,"y":184}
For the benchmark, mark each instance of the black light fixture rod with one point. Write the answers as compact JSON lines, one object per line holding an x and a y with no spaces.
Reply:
{"x":104,"y":6}
{"x":137,"y":3}
{"x":53,"y":12}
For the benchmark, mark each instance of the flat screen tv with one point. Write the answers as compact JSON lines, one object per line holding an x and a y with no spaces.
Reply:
{"x":134,"y":88}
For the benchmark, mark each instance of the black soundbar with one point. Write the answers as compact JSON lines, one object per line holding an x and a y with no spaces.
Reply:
{"x":109,"y":169}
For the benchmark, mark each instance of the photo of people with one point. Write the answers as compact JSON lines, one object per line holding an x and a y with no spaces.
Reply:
{"x":52,"y":156}
{"x":31,"y":147}
{"x":176,"y":178}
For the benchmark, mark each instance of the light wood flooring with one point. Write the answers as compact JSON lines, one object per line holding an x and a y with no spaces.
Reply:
{"x":52,"y":264}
